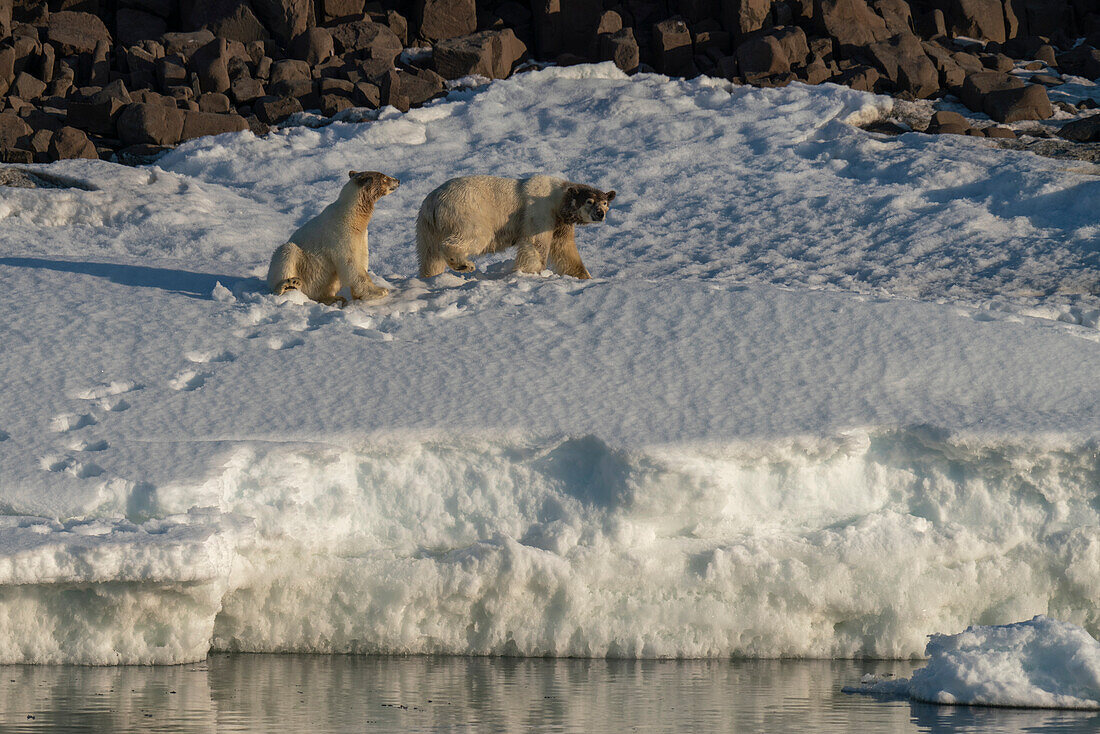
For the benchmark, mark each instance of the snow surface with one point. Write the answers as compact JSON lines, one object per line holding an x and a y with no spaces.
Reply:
{"x":1041,"y":663}
{"x":827,"y":392}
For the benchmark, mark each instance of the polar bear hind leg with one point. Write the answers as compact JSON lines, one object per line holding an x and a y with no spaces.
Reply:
{"x":283,"y":273}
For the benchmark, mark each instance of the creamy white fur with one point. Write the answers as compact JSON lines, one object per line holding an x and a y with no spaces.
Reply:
{"x":474,"y":215}
{"x":331,"y":251}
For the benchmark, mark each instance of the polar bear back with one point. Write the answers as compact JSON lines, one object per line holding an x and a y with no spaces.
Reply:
{"x":494,"y":208}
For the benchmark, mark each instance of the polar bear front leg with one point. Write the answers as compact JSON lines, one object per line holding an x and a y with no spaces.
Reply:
{"x":358,"y":280}
{"x":531,"y":255}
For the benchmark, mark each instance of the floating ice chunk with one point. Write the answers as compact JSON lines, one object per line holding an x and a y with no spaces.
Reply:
{"x":1041,"y":663}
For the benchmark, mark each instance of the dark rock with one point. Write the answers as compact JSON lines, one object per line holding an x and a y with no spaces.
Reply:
{"x":859,"y":77}
{"x":14,"y":132}
{"x":980,"y":19}
{"x":336,"y":9}
{"x":273,"y":110}
{"x":171,"y":72}
{"x":150,"y":123}
{"x":331,"y":104}
{"x":439,"y":19}
{"x":367,"y":39}
{"x":159,"y":8}
{"x":672,"y":50}
{"x":1046,"y":80}
{"x":762,"y":56}
{"x":951,"y":75}
{"x":199,"y":124}
{"x":421,"y":85}
{"x":896,"y":13}
{"x":214,"y":102}
{"x":713,"y":42}
{"x":246,"y":90}
{"x":100,"y":73}
{"x":210,"y":63}
{"x":185,"y":44}
{"x":338,"y":86}
{"x":621,"y":48}
{"x":263,"y":67}
{"x":303,"y":90}
{"x":286,"y":18}
{"x":99,"y":113}
{"x":742,"y":17}
{"x":1000,"y":132}
{"x":489,"y":53}
{"x":40,"y":145}
{"x":132,"y":26}
{"x":1045,"y":53}
{"x":27,"y":87}
{"x":977,"y":86}
{"x":569,"y":26}
{"x":997,"y":62}
{"x":47,"y":63}
{"x":903,"y":61}
{"x":1010,"y":105}
{"x":7,"y":68}
{"x":816,"y":72}
{"x":970,"y":63}
{"x":5,"y":18}
{"x":313,"y":46}
{"x":367,"y":95}
{"x":850,"y":22}
{"x":1085,"y":130}
{"x":234,"y":20}
{"x":68,"y":142}
{"x":793,"y":41}
{"x":76,"y":33}
{"x":610,"y":22}
{"x":946,"y":117}
{"x":141,"y":66}
{"x":289,"y":70}
{"x":952,"y":128}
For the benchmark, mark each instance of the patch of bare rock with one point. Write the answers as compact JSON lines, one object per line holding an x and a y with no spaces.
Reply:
{"x":128,"y":79}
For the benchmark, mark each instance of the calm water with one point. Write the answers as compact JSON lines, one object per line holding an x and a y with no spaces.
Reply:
{"x":318,"y":694}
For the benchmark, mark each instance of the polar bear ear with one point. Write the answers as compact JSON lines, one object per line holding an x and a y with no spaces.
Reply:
{"x":610,"y":194}
{"x":353,"y":174}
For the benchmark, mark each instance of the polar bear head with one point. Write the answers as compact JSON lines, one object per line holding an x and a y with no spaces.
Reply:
{"x":585,"y":204}
{"x":372,"y":184}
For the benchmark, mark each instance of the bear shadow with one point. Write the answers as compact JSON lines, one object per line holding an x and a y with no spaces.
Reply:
{"x":181,"y":282}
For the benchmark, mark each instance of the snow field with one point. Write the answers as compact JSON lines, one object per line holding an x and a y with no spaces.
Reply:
{"x":827,"y":393}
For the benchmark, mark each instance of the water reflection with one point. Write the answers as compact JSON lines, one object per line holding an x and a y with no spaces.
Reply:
{"x":275,"y":693}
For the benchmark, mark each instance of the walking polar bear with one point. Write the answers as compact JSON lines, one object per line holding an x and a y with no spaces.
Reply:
{"x":474,"y":215}
{"x":330,"y":250}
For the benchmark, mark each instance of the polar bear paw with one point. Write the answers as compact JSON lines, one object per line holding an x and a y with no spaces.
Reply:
{"x":289,"y":284}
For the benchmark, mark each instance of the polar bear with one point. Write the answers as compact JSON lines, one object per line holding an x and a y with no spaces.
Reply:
{"x":330,"y":250}
{"x":473,"y":215}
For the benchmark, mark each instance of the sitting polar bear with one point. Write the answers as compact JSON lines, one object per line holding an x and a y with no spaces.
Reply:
{"x":330,"y":250}
{"x":473,"y":215}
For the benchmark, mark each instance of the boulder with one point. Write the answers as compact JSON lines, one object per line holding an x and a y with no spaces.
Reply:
{"x":75,"y":33}
{"x":440,"y":19}
{"x":150,"y":123}
{"x":210,"y":63}
{"x":272,"y":110}
{"x":976,"y":86}
{"x":997,"y":62}
{"x":896,"y":13}
{"x":421,"y":85}
{"x":99,"y":112}
{"x":237,"y":23}
{"x":7,"y":68}
{"x":672,"y":50}
{"x":390,"y":87}
{"x":742,"y":17}
{"x":286,"y":18}
{"x":197,"y":124}
{"x":313,"y":46}
{"x":27,"y":87}
{"x":289,"y":70}
{"x":171,"y":72}
{"x":246,"y":90}
{"x":860,"y":76}
{"x":980,"y":19}
{"x":999,"y":132}
{"x":341,"y":9}
{"x":367,"y":95}
{"x":332,"y":104}
{"x":185,"y":44}
{"x":850,"y":22}
{"x":762,"y":56}
{"x":951,"y":75}
{"x":14,"y":132}
{"x":366,"y":39}
{"x":610,"y":22}
{"x":794,"y":43}
{"x":68,"y":142}
{"x":1013,"y":104}
{"x":903,"y":61}
{"x":214,"y":102}
{"x":5,"y":18}
{"x":133,"y":25}
{"x":946,"y":117}
{"x":1085,"y":130}
{"x":621,"y":48}
{"x":488,"y":53}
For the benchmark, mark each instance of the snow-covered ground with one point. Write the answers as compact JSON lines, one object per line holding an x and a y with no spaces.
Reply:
{"x":827,"y":392}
